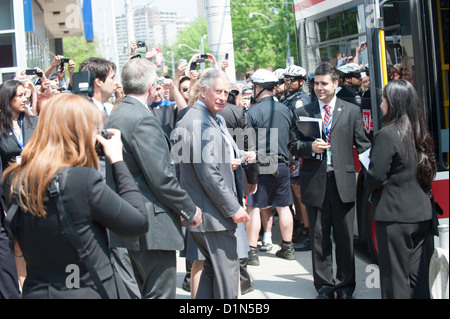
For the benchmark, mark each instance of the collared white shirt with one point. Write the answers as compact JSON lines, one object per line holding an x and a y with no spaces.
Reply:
{"x":332,"y":104}
{"x":103,"y":107}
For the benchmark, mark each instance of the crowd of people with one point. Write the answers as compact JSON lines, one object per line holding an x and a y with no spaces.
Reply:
{"x":141,"y":169}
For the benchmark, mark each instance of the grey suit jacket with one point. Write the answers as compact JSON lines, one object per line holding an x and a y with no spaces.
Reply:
{"x":147,"y":155}
{"x":205,"y":169}
{"x":346,"y":131}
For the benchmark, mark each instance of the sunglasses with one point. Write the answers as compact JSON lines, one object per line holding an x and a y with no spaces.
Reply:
{"x":185,"y":89}
{"x":290,"y":79}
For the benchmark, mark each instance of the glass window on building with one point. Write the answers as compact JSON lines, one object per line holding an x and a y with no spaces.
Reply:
{"x":7,"y":50}
{"x":6,"y":15}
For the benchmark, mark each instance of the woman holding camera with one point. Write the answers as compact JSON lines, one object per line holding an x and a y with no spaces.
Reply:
{"x":64,"y":144}
{"x":401,"y":171}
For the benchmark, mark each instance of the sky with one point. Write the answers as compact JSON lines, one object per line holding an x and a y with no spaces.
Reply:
{"x":103,"y":13}
{"x":185,"y":8}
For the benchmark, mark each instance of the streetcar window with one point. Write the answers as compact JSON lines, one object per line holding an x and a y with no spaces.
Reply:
{"x":399,"y":42}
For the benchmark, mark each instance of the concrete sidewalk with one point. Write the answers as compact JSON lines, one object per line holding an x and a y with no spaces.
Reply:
{"x":277,"y":278}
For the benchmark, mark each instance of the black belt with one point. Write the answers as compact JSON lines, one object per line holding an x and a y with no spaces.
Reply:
{"x":330,"y":174}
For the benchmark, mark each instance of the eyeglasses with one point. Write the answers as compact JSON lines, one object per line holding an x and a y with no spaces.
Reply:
{"x":290,"y":79}
{"x":185,"y":89}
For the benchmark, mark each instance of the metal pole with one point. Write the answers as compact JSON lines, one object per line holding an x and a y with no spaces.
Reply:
{"x":220,"y":34}
{"x":288,"y":37}
{"x":130,"y":21}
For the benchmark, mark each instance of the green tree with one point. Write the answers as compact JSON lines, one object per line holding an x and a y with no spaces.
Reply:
{"x":188,"y":37}
{"x":258,"y":41}
{"x":79,"y":50}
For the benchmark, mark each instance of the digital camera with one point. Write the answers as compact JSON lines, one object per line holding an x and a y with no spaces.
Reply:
{"x":98,"y":146}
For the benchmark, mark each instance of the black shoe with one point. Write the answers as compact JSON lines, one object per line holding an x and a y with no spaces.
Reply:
{"x":266,"y":247}
{"x":253,"y":259}
{"x":305,"y":245}
{"x":343,"y":295}
{"x":325,"y":295}
{"x":186,"y":286}
{"x":248,"y":289}
{"x":299,"y":237}
{"x":286,"y":251}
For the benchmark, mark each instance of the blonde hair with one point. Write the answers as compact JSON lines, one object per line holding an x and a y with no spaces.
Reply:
{"x":63,"y":137}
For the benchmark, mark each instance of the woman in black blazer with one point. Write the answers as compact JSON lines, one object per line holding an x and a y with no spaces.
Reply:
{"x":16,"y":125}
{"x":400,"y":174}
{"x":65,"y":136}
{"x":16,"y":128}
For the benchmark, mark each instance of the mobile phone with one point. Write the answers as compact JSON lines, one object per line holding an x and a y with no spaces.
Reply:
{"x":30,"y":72}
{"x":226,"y":56}
{"x":203,"y":56}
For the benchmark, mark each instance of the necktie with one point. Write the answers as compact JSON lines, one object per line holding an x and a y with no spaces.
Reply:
{"x":327,"y":123}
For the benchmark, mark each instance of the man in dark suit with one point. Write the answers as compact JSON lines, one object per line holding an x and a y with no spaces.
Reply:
{"x":329,"y":182}
{"x":206,"y":172}
{"x":147,"y":154}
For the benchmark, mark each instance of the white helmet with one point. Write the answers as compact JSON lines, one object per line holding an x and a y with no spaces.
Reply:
{"x":349,"y":68}
{"x":295,"y":71}
{"x":279,"y":73}
{"x":264,"y":78}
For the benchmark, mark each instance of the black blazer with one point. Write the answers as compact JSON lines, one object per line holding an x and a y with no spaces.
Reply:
{"x":346,"y":131}
{"x":9,"y":145}
{"x":236,"y":120}
{"x":397,"y":195}
{"x":92,"y":206}
{"x":147,"y":155}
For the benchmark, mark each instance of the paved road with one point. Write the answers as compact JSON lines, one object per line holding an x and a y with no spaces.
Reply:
{"x":277,"y":278}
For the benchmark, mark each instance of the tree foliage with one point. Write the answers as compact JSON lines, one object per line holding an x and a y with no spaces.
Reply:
{"x":79,"y":50}
{"x":258,"y":41}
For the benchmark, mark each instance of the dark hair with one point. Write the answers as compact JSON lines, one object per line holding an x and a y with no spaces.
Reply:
{"x":8,"y":91}
{"x":100,"y":67}
{"x":405,"y":110}
{"x":326,"y":68}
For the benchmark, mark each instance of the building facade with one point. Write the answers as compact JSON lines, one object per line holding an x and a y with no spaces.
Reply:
{"x":31,"y":31}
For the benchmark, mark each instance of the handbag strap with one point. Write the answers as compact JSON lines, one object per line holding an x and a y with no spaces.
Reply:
{"x":9,"y":220}
{"x":56,"y":187}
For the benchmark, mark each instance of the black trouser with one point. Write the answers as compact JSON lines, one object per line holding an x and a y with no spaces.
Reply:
{"x":155,"y":272}
{"x":402,"y":259}
{"x":9,"y":284}
{"x":339,"y":216}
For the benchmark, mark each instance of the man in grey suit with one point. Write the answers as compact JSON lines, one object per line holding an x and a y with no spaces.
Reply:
{"x":329,"y":183}
{"x":206,"y":151}
{"x":147,"y":155}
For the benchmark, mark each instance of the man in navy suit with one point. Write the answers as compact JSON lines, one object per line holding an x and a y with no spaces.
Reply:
{"x":329,"y":183}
